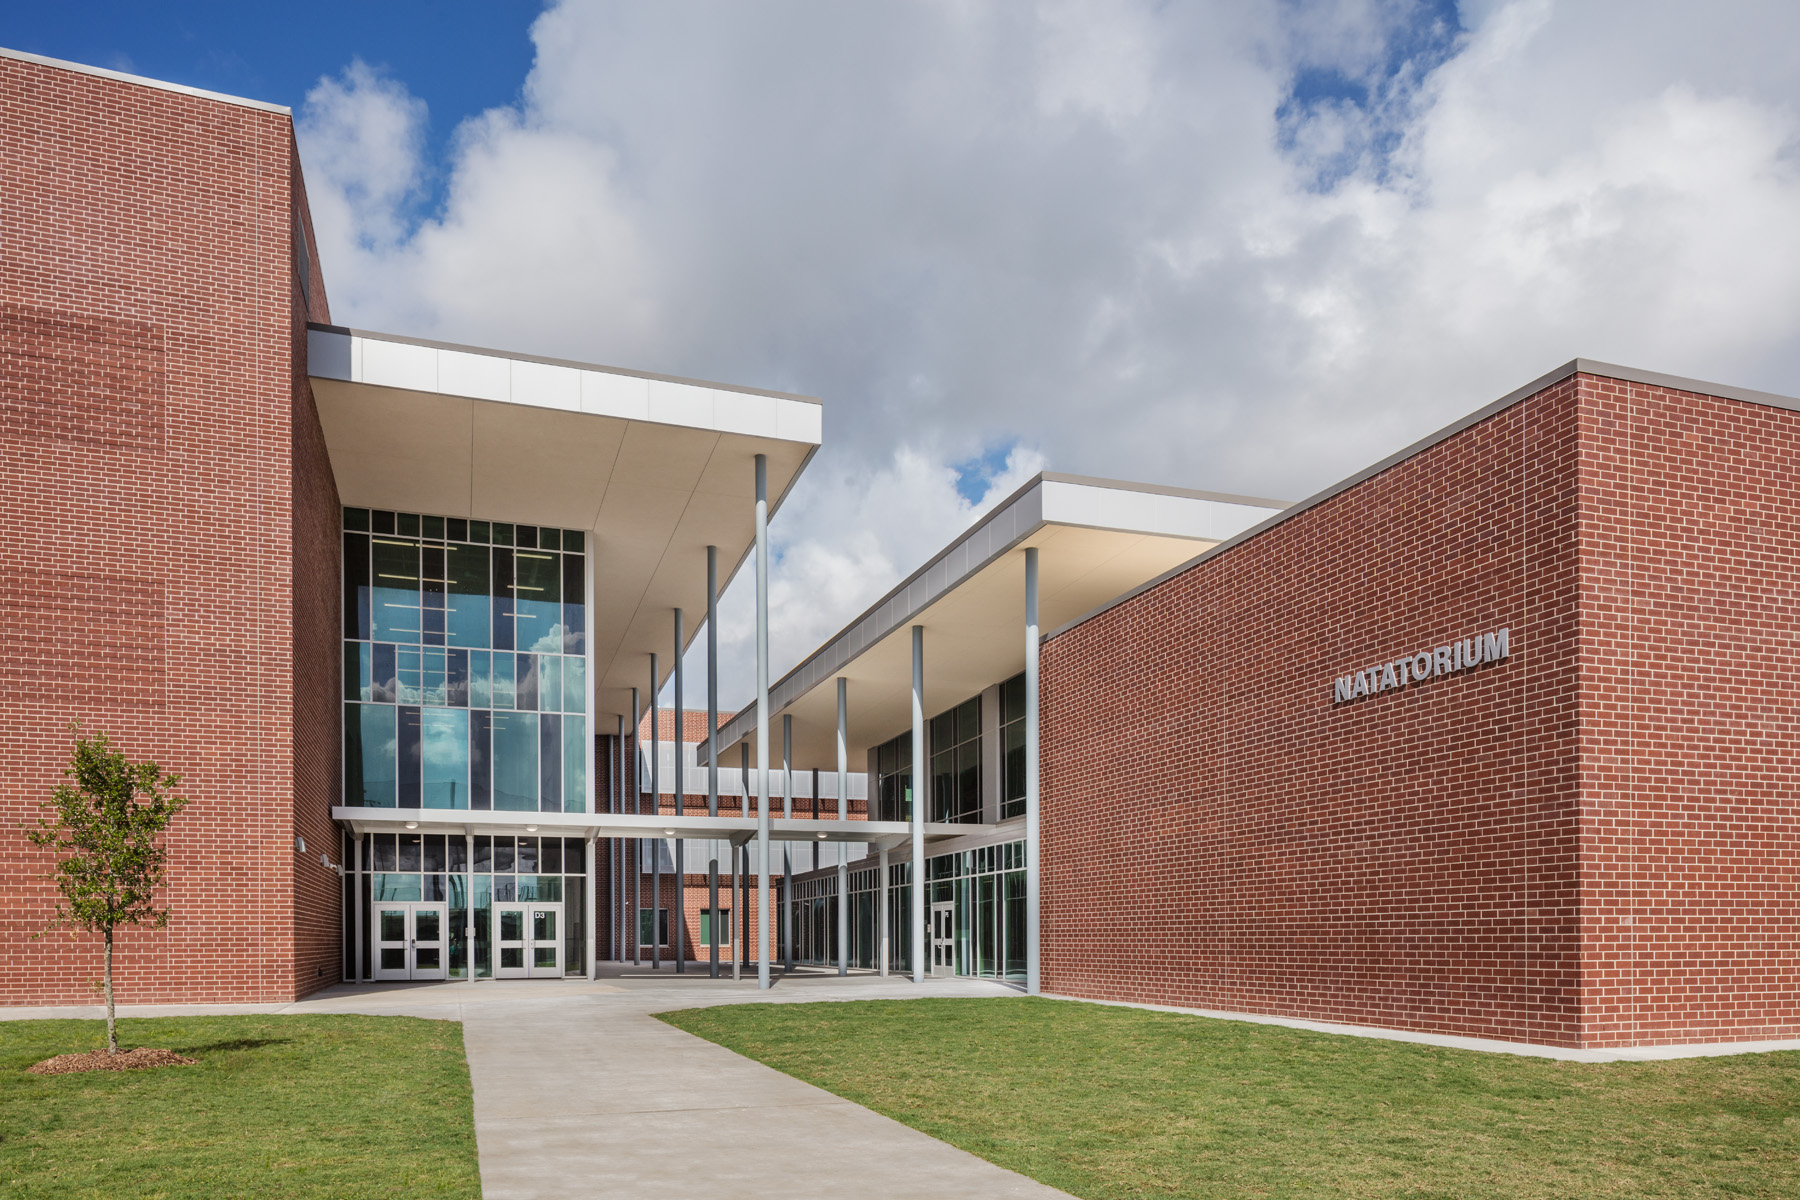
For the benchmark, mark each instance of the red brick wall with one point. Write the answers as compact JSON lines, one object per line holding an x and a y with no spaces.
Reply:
{"x":162,"y":471}
{"x":1690,"y":839}
{"x":1218,"y":833}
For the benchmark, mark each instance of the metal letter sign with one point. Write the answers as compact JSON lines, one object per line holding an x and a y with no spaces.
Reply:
{"x":1426,"y":664}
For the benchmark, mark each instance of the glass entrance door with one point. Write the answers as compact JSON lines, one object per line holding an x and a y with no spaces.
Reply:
{"x":943,"y":937}
{"x":411,"y":941}
{"x":529,"y":939}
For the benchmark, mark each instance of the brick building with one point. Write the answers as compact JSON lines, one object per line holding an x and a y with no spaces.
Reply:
{"x":1489,"y":739}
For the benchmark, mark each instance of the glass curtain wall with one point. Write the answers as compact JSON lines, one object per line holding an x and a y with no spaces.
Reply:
{"x":435,"y":866}
{"x":1012,"y":747}
{"x":956,"y":763}
{"x":465,"y":664}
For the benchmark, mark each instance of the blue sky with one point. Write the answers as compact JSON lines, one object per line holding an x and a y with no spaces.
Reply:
{"x":459,"y":56}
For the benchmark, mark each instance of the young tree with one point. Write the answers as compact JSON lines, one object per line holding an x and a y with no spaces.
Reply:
{"x":104,"y":827}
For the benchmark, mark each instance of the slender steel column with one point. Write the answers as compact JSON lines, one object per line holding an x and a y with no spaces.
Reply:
{"x":469,"y":895}
{"x":815,"y":816}
{"x":881,"y":911}
{"x":678,"y":915}
{"x":617,"y":846}
{"x":787,"y":847}
{"x":655,"y":811}
{"x":361,"y":918}
{"x":636,"y":848}
{"x":712,"y":748}
{"x":762,"y":714}
{"x":1033,"y":979}
{"x":741,"y":888}
{"x":590,"y":903}
{"x":921,"y":796}
{"x":843,"y":848}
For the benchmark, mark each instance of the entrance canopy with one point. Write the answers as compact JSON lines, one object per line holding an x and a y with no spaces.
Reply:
{"x":653,"y":468}
{"x":738,"y":830}
{"x":1096,"y":540}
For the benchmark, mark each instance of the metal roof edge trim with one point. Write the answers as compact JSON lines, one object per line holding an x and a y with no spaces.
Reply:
{"x":574,"y":364}
{"x":161,"y":85}
{"x":1575,"y":366}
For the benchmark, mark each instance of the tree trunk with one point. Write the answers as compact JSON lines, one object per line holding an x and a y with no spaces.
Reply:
{"x":112,"y":1027}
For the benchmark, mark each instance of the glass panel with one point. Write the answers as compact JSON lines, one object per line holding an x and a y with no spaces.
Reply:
{"x":390,"y":888}
{"x":504,"y":673}
{"x":986,"y":930}
{"x":503,"y":889}
{"x":503,"y":855}
{"x":574,"y":763}
{"x":431,"y":585}
{"x":456,"y":529}
{"x":574,"y":856}
{"x":433,"y":527}
{"x":408,"y":524}
{"x":544,"y":888}
{"x":502,"y":592}
{"x":459,"y":854}
{"x":550,"y":855}
{"x":409,"y":762}
{"x":433,"y":847}
{"x":528,"y":856}
{"x":484,"y":854}
{"x":393,"y":925}
{"x":480,"y":532}
{"x":512,"y":925}
{"x":469,"y":621}
{"x":412,"y":850}
{"x":427,"y":925}
{"x":480,"y":688}
{"x":503,"y":533}
{"x":575,"y":685}
{"x":543,"y":956}
{"x":574,"y":612}
{"x":574,"y":932}
{"x":381,"y":522}
{"x":968,"y":781}
{"x":550,"y":763}
{"x":525,"y":682}
{"x":481,"y":784}
{"x":968,"y":720}
{"x":426,"y":958}
{"x":512,"y":958}
{"x":538,"y":591}
{"x":456,"y":678}
{"x":515,"y":762}
{"x":381,"y":852}
{"x":525,"y":535}
{"x":384,"y":673}
{"x":370,"y":771}
{"x":356,"y":586}
{"x":572,"y":540}
{"x":356,"y":518}
{"x":395,"y":611}
{"x":1012,"y":699}
{"x":483,"y":901}
{"x":550,"y":682}
{"x":543,"y":925}
{"x":446,"y":747}
{"x":357,"y":662}
{"x":393,"y":958}
{"x":407,"y":674}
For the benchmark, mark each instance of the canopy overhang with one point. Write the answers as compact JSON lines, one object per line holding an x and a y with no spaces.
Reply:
{"x":653,"y":469}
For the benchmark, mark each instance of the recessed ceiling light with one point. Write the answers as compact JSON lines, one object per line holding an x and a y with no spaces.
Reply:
{"x":412,"y":824}
{"x":821,"y":837}
{"x":531,"y":829}
{"x":669,"y":832}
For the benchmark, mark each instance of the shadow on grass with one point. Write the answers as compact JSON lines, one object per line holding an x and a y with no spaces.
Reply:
{"x":234,"y":1044}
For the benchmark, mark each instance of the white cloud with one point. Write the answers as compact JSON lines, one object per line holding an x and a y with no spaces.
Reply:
{"x":1110,"y":233}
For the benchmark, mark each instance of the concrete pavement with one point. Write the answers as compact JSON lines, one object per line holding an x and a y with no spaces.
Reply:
{"x":580,"y":1092}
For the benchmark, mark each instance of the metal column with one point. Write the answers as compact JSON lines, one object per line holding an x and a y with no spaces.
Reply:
{"x":636,"y":846}
{"x":843,"y":848}
{"x":678,"y":914}
{"x":356,"y":893}
{"x":655,"y":811}
{"x":920,"y":798}
{"x":762,"y":712}
{"x":712,"y":748}
{"x":882,"y":917}
{"x":740,"y":882}
{"x":617,"y":845}
{"x":1032,"y":976}
{"x":469,"y":912}
{"x":590,"y":903}
{"x":787,"y":847}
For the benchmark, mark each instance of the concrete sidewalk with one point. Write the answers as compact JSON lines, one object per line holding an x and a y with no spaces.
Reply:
{"x":580,"y":1092}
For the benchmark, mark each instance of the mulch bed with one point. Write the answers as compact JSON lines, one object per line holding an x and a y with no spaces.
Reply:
{"x":100,"y":1060}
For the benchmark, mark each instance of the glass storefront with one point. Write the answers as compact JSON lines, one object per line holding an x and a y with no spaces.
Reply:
{"x":477,"y":873}
{"x":465,"y":664}
{"x":987,"y":887}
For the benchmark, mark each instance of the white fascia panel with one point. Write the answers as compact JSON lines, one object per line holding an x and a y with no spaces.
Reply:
{"x":546,"y":386}
{"x":608,"y":395}
{"x":479,"y":376}
{"x":398,"y":365}
{"x":681,"y":404}
{"x":329,"y":354}
{"x":798,"y":421}
{"x":1146,"y":512}
{"x":747,"y":414}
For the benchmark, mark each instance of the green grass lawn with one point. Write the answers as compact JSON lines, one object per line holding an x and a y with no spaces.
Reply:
{"x":338,"y":1106}
{"x":1114,"y":1102}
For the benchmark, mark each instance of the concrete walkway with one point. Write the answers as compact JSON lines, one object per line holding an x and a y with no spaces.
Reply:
{"x":580,"y":1092}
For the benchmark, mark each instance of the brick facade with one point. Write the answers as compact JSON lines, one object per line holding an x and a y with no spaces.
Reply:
{"x":1589,"y":842}
{"x":168,"y":562}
